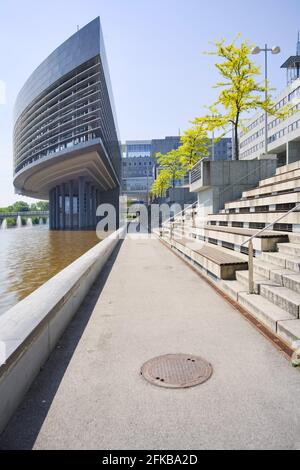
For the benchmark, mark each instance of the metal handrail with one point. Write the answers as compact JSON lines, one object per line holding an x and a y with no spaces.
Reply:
{"x":250,"y":247}
{"x":273,"y":223}
{"x":179,"y":213}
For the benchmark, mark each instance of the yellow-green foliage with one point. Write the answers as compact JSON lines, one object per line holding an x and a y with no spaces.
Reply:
{"x":240,"y":91}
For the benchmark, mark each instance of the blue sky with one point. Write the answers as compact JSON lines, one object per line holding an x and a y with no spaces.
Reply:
{"x":161,"y":79}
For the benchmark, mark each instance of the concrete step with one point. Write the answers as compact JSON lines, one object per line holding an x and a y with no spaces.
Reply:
{"x":233,"y":288}
{"x":265,"y":218}
{"x":269,"y":201}
{"x":267,"y":241}
{"x":264,"y":310}
{"x":282,"y":297}
{"x":280,"y":276}
{"x":263,"y":268}
{"x":285,"y":185}
{"x":280,"y":178}
{"x":243,"y":278}
{"x":289,"y":331}
{"x":282,"y":260}
{"x":277,"y":259}
{"x":289,"y":249}
{"x":215,"y":261}
{"x":288,"y":279}
{"x":287,"y":168}
{"x":294,"y":237}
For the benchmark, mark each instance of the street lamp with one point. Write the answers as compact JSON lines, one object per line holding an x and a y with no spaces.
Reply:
{"x":274,"y":50}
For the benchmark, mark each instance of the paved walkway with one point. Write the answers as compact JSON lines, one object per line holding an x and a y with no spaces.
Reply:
{"x":90,"y":394}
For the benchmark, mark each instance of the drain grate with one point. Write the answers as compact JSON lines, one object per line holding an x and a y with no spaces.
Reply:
{"x":177,"y":371}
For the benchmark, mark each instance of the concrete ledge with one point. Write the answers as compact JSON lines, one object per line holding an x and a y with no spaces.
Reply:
{"x":31,"y":329}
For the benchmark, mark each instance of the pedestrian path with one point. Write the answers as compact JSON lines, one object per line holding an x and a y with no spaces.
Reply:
{"x":148,"y":302}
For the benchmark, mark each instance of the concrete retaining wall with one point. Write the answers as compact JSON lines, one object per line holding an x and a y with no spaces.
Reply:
{"x":30,"y":330}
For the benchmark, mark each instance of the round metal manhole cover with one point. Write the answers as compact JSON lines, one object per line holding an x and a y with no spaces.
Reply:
{"x":177,"y":371}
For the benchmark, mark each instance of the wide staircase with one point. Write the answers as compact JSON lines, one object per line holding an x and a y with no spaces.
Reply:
{"x":218,"y":247}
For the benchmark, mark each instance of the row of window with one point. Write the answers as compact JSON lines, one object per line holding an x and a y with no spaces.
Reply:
{"x":58,"y":148}
{"x":277,"y":135}
{"x":252,"y":150}
{"x":135,"y":164}
{"x":252,"y":137}
{"x":254,"y":124}
{"x":293,"y":95}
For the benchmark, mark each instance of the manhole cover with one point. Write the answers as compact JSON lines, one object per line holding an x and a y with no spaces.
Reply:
{"x":177,"y":371}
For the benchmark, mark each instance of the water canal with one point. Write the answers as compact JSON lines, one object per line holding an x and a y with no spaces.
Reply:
{"x":29,"y":256}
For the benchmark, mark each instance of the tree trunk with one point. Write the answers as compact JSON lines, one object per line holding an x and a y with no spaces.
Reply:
{"x":236,"y":142}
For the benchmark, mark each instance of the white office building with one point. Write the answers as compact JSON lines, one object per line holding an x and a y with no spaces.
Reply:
{"x":283,"y":134}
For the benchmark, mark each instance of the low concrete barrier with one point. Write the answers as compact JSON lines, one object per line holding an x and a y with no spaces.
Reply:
{"x":30,"y":330}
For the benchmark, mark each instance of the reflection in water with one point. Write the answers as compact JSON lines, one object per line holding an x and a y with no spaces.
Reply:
{"x":29,"y":257}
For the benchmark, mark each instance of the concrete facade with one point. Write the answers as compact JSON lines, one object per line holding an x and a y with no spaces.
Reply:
{"x":219,"y":182}
{"x":66,"y":144}
{"x":283,"y":134}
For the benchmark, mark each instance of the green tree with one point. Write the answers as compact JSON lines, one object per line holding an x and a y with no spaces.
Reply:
{"x":42,"y":205}
{"x":171,"y":163}
{"x":194,"y":146}
{"x":161,"y":184}
{"x":20,"y":206}
{"x":240,"y":90}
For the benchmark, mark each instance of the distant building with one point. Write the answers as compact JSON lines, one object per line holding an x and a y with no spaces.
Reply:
{"x":137,"y":176}
{"x":138,"y":148}
{"x":222,"y":150}
{"x":164,"y":145}
{"x":138,"y":164}
{"x":283,"y":134}
{"x":139,"y":168}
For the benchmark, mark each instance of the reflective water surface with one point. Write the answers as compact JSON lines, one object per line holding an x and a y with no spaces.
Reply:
{"x":31,"y":256}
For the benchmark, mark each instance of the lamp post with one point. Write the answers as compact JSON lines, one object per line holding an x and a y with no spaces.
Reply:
{"x":273,"y":50}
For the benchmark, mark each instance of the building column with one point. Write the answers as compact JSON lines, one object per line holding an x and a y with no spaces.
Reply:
{"x":90,"y":196}
{"x":57,"y":209}
{"x":54,"y":208}
{"x":97,"y":204}
{"x":51,"y":218}
{"x":93,"y":207}
{"x":112,"y":197}
{"x":71,"y":215}
{"x":81,"y":218}
{"x":63,"y":206}
{"x":87,"y":204}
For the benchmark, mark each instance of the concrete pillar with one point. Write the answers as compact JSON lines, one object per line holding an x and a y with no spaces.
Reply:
{"x":81,"y":218}
{"x":112,"y":197}
{"x":54,"y":207}
{"x":51,"y":210}
{"x":87,"y":204}
{"x":93,"y":206}
{"x":57,"y":209}
{"x":71,"y":215}
{"x":63,"y":205}
{"x":90,"y":205}
{"x":96,"y":204}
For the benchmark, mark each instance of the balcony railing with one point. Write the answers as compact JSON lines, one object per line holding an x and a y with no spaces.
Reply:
{"x":196,"y":172}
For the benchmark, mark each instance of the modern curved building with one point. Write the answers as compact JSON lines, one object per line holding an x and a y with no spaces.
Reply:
{"x":66,"y":143}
